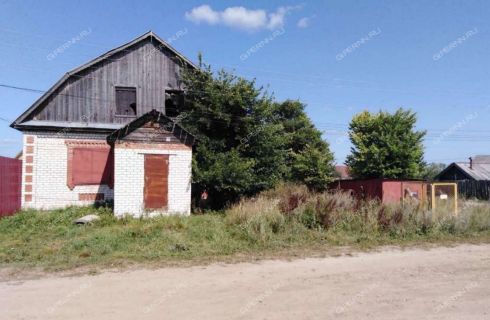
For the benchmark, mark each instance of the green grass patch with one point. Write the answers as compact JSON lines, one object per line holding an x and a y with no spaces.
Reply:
{"x":269,"y":225}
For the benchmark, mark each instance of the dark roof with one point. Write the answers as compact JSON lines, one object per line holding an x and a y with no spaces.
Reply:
{"x":480,"y":169}
{"x":153,"y":116}
{"x":385,"y":179}
{"x":87,"y":65}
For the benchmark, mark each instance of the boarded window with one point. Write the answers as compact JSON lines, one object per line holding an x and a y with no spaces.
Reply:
{"x":125,"y":101}
{"x":90,"y":166}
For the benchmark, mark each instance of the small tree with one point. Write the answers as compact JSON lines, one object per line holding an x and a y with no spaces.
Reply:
{"x":385,"y":145}
{"x":309,"y":158}
{"x":312,"y":167}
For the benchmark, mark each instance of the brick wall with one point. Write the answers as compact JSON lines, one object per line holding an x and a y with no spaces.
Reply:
{"x":44,"y":172}
{"x":129,"y":178}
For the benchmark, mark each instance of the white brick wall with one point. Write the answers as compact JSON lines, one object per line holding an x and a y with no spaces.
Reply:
{"x":49,"y":177}
{"x":129,"y":181}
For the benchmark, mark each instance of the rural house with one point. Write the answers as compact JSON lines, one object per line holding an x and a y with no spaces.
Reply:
{"x":105,"y":131}
{"x":477,"y":169}
{"x":473,"y":177}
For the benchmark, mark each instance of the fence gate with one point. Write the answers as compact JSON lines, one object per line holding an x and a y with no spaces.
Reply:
{"x":10,"y":185}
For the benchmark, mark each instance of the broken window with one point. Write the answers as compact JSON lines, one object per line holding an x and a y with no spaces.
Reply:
{"x":126,"y":101}
{"x":174,"y":102}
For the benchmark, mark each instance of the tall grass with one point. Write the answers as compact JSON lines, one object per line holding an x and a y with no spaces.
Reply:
{"x":339,"y":214}
{"x":288,"y":217}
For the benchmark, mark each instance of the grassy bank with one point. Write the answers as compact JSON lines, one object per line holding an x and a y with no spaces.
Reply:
{"x":288,"y":219}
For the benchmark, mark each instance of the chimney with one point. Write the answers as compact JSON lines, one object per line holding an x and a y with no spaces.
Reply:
{"x":471,"y":163}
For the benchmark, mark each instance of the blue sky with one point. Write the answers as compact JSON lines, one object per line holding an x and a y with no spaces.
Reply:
{"x":339,"y":57}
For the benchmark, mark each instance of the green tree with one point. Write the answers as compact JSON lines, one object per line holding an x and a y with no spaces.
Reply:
{"x":303,"y":140}
{"x":246,"y":142}
{"x":312,"y":167}
{"x":385,"y":145}
{"x":431,"y":170}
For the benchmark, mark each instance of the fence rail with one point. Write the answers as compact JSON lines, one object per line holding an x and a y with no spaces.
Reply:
{"x":474,"y":189}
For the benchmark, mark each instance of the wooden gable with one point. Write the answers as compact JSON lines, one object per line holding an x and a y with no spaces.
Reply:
{"x":87,"y":95}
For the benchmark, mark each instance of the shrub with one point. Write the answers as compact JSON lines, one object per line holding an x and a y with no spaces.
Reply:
{"x":259,"y":217}
{"x":291,"y":197}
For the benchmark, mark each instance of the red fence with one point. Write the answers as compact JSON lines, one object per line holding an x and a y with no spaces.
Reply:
{"x":10,"y":185}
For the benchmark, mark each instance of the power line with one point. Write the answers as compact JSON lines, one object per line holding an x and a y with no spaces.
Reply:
{"x":322,"y":125}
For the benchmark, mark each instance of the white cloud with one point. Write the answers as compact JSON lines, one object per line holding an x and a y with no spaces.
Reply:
{"x":203,"y":13}
{"x":240,"y":17}
{"x":304,"y":22}
{"x":243,"y":18}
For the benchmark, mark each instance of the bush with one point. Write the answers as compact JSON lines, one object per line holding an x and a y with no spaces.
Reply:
{"x":258,"y":217}
{"x":290,"y":197}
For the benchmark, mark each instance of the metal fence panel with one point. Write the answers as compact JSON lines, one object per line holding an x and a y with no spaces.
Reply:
{"x":10,"y":185}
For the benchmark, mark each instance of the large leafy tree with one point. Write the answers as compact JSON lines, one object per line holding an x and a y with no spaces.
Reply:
{"x":386,"y":145}
{"x":246,"y":142}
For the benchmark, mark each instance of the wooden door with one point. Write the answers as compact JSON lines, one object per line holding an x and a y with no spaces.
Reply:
{"x":156,"y":181}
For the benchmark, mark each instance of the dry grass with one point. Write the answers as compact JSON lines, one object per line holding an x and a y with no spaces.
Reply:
{"x":282,"y":222}
{"x":341,"y":214}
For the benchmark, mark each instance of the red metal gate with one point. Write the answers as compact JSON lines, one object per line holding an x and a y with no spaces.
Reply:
{"x":10,"y":185}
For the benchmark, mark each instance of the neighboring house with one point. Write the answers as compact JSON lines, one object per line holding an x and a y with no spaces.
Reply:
{"x":342,"y":172}
{"x":477,"y":169}
{"x":103,"y":132}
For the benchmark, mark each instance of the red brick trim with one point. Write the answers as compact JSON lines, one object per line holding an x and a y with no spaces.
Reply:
{"x":29,"y":149}
{"x":28,"y":169}
{"x":28,"y":178}
{"x":28,"y":188}
{"x":152,"y":146}
{"x":30,"y":139}
{"x":28,"y":198}
{"x":29,"y":159}
{"x":91,"y":196}
{"x":83,"y":143}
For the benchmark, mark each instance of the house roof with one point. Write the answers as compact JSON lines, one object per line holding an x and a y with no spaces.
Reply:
{"x":343,"y":172}
{"x":155,"y":116}
{"x":71,"y":126}
{"x":150,"y":34}
{"x":480,"y":168}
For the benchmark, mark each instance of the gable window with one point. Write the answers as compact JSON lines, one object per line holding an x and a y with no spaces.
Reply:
{"x":126,"y":101}
{"x":174,"y":102}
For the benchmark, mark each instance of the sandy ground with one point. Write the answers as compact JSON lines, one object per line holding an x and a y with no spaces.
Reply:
{"x":439,"y":283}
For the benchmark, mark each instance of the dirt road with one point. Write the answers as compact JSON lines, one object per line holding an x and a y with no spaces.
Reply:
{"x":440,"y":283}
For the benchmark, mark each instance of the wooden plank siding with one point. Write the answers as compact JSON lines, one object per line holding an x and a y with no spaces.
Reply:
{"x":471,"y":189}
{"x":89,"y":95}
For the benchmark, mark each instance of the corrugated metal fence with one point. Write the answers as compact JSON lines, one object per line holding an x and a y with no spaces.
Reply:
{"x":474,"y":189}
{"x":10,"y":185}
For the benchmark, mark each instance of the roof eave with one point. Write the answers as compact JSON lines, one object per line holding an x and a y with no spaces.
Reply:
{"x":52,"y":128}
